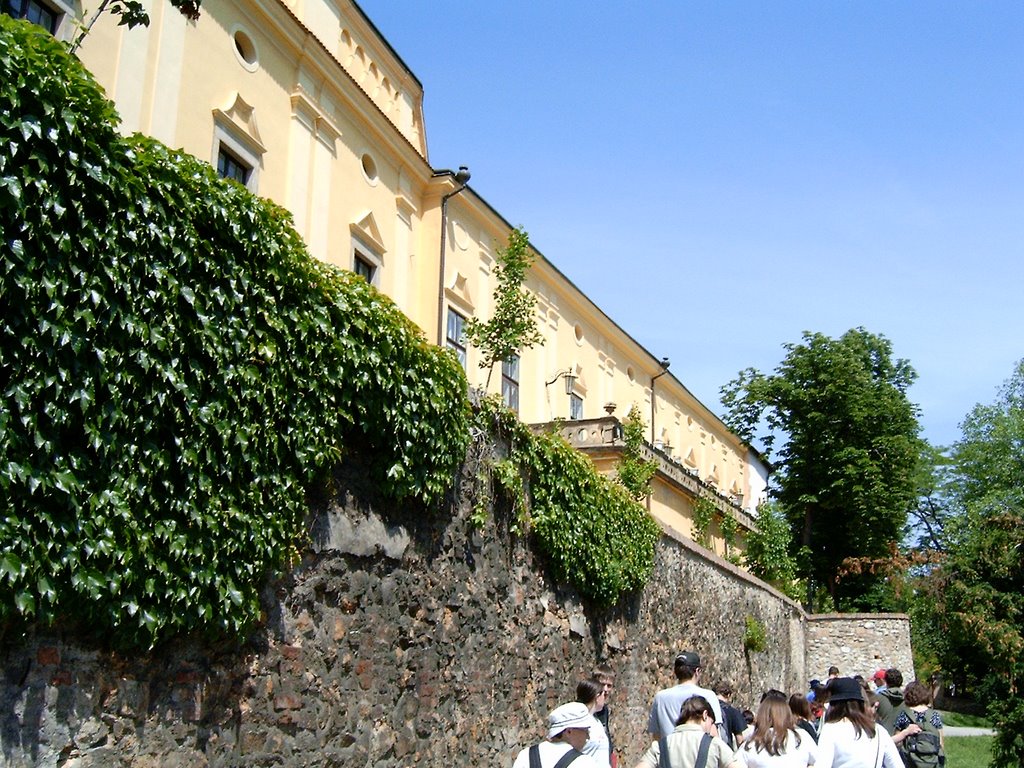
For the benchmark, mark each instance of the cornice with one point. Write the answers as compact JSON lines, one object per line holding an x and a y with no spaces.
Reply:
{"x":302,"y":46}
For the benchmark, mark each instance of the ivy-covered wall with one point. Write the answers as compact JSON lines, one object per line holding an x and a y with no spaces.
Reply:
{"x":177,"y":373}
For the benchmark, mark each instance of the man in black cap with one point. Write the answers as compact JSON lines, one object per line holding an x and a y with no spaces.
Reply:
{"x":667,"y":702}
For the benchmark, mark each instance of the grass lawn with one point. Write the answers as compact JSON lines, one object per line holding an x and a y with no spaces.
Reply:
{"x":968,"y":751}
{"x":959,"y":718}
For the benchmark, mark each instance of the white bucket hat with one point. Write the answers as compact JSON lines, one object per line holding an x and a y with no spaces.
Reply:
{"x":574,"y":715}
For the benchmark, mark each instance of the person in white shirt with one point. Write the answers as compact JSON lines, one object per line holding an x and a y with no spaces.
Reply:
{"x":592,"y":694}
{"x":777,"y":742}
{"x":568,"y":731}
{"x":850,"y":737}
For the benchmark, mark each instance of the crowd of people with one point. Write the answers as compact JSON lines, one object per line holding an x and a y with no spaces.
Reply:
{"x":841,"y":722}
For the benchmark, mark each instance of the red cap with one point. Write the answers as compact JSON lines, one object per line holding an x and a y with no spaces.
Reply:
{"x":879,"y":675}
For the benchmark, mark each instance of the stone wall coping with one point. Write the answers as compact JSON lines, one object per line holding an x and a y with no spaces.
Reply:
{"x":858,"y":616}
{"x":738,"y":573}
{"x":722,"y":564}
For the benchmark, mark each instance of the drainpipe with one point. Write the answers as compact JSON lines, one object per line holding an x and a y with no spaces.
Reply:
{"x":664,"y":363}
{"x":461,"y":178}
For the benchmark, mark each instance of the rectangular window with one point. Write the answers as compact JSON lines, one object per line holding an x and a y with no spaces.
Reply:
{"x":510,"y":382}
{"x":34,"y":11}
{"x":457,"y":335}
{"x":364,"y":268}
{"x":229,"y":166}
{"x":575,"y":407}
{"x":366,"y":261}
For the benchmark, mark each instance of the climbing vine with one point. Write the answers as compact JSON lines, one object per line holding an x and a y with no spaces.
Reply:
{"x":592,"y":534}
{"x":703,"y":515}
{"x":767,"y":555}
{"x":179,"y":372}
{"x":730,"y":527}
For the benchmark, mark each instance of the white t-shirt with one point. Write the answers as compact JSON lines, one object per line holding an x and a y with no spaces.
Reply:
{"x":839,"y":747}
{"x":597,"y":745}
{"x":551,"y":753}
{"x":793,"y":755}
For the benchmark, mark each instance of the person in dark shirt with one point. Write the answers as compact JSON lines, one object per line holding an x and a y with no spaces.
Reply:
{"x":732,"y":718}
{"x":801,"y":708}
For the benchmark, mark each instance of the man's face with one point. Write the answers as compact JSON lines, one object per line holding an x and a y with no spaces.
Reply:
{"x":606,"y":691}
{"x":577,"y":737}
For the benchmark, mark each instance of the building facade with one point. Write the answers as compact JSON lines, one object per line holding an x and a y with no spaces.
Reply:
{"x":305,"y":103}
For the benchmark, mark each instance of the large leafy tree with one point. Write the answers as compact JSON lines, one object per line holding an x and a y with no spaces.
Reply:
{"x":979,"y":591}
{"x":843,"y":436}
{"x":929,"y":514}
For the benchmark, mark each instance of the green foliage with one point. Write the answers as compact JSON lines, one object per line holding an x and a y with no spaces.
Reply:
{"x":929,"y":513}
{"x":755,"y":636}
{"x":634,"y":471}
{"x":176,"y":372}
{"x":510,"y":478}
{"x":768,"y":549}
{"x":507,"y":476}
{"x":730,"y":527}
{"x":847,"y":460}
{"x":703,"y":516}
{"x":513,"y":326}
{"x":592,"y":534}
{"x":978,"y":620}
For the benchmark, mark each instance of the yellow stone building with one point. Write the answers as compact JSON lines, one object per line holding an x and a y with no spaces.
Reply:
{"x":307,"y":104}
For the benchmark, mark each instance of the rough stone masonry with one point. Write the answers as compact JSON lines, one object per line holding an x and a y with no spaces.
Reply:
{"x":409,"y":637}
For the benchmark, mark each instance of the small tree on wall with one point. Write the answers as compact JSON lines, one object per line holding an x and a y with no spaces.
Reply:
{"x":513,"y":326}
{"x":131,"y":14}
{"x":635,"y":472}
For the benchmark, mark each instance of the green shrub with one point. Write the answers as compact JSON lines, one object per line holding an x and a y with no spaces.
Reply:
{"x":704,"y":511}
{"x":176,"y":371}
{"x":755,"y":636}
{"x":588,"y":528}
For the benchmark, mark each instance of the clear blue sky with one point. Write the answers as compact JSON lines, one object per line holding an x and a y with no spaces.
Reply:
{"x":721,"y":176}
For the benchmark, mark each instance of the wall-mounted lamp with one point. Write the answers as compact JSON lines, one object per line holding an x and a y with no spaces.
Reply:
{"x":570,"y":380}
{"x":462,"y":179}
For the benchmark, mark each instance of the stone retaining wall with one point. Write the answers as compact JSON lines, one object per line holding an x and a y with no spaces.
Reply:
{"x":404,"y":638}
{"x":859,"y":644}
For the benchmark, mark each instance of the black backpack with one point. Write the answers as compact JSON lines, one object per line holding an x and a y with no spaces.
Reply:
{"x":921,"y":750}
